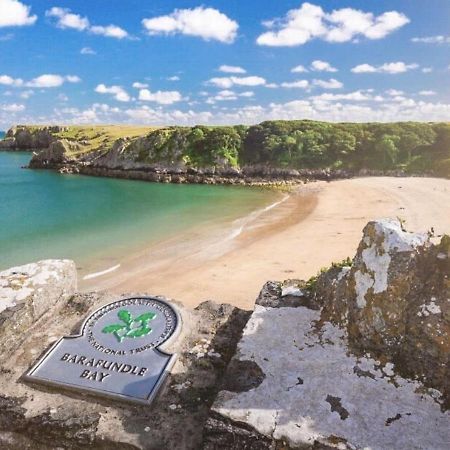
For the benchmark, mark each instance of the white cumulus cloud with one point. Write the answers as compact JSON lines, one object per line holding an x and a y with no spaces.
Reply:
{"x":6,"y":80}
{"x":15,"y":14}
{"x":299,"y":69}
{"x":231,"y":69}
{"x":139,"y":85}
{"x":228,"y":82}
{"x":161,"y":97}
{"x":341,"y":25}
{"x":67,"y":19}
{"x":118,"y":92}
{"x":299,"y":84}
{"x":206,"y":23}
{"x":332,"y":83}
{"x":109,"y":31}
{"x":51,"y":81}
{"x":228,"y":95}
{"x":322,"y":66}
{"x":392,"y":68}
{"x":43,"y":81}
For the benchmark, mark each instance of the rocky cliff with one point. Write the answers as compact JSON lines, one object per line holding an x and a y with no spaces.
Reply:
{"x":200,"y":154}
{"x":23,"y":137}
{"x":357,"y":357}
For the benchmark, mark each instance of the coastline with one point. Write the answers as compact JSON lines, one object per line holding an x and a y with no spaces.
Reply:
{"x":319,"y":224}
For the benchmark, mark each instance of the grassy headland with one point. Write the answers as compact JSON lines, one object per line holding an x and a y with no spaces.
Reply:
{"x":286,"y":145}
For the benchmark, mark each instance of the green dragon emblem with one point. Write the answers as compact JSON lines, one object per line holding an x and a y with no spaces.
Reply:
{"x":132,"y":327}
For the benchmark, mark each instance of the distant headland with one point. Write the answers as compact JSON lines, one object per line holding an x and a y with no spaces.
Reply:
{"x":272,"y":152}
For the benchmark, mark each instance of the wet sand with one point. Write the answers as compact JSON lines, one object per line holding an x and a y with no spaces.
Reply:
{"x":316,"y":225}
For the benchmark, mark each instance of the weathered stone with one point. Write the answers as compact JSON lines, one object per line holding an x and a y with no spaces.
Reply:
{"x":394,"y":301}
{"x":23,"y":137}
{"x":315,"y":394}
{"x":26,"y":293}
{"x":37,"y":416}
{"x":289,"y":293}
{"x":55,"y":155}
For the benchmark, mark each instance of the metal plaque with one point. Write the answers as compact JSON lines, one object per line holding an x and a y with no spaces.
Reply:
{"x":117,"y":353}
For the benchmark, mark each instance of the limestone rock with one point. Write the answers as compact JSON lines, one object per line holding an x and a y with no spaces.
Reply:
{"x":395,"y":301}
{"x":23,"y":137}
{"x":33,"y":416}
{"x":55,"y":155}
{"x":26,"y":293}
{"x":299,"y":387}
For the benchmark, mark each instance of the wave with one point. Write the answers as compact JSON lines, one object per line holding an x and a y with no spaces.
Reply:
{"x":99,"y":274}
{"x":241,"y":224}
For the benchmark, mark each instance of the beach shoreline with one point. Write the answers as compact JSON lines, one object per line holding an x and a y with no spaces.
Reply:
{"x":318,"y":224}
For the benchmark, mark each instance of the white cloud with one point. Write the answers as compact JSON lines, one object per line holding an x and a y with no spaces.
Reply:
{"x":139,"y":85}
{"x":46,"y":81}
{"x":392,"y":68}
{"x":174,"y":78}
{"x":358,"y":96}
{"x":394,"y":92}
{"x":161,"y":97}
{"x":87,"y":51}
{"x":109,"y":31}
{"x":299,"y":84}
{"x":147,"y":115}
{"x":332,"y":83}
{"x":362,"y":106}
{"x":299,"y":69}
{"x":12,"y":108}
{"x":73,"y":79}
{"x":42,"y":81}
{"x":6,"y":80}
{"x":117,"y":91}
{"x":231,"y":69}
{"x":341,"y":25}
{"x":15,"y":14}
{"x":322,"y":66}
{"x":228,"y":82}
{"x":227,"y":95}
{"x":66,"y":19}
{"x":427,"y":69}
{"x":427,"y":93}
{"x":206,"y":23}
{"x":440,"y":39}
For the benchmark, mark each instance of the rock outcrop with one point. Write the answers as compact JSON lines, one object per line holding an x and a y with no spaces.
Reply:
{"x":33,"y":416}
{"x":394,"y":301}
{"x":55,"y":155}
{"x":356,"y":358}
{"x":22,"y":137}
{"x":27,"y":293}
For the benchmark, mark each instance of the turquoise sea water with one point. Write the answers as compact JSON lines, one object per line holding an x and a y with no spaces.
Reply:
{"x":44,"y":214}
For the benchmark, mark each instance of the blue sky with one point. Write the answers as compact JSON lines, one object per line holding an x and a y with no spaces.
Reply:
{"x":223,"y":61}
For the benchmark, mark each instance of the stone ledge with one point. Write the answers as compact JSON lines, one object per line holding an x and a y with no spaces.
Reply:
{"x":315,"y":393}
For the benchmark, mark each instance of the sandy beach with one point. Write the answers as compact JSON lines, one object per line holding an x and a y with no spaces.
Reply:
{"x":309,"y":229}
